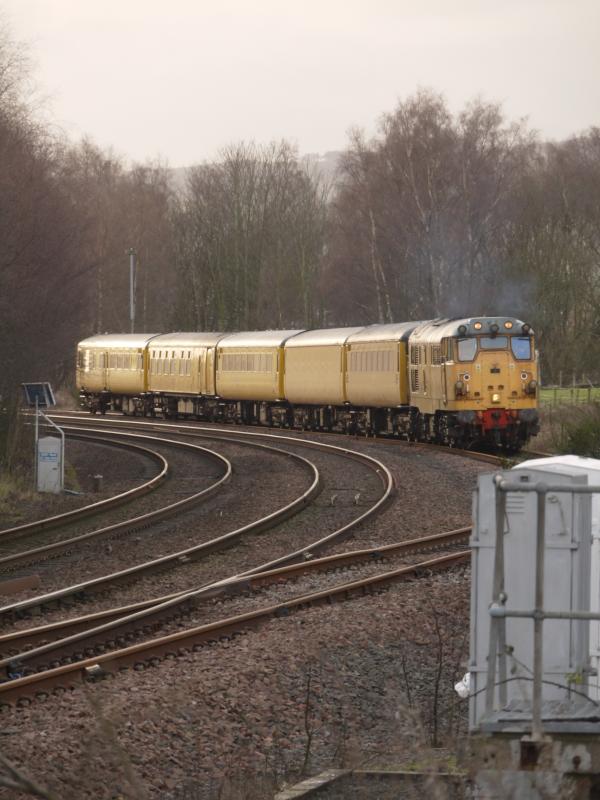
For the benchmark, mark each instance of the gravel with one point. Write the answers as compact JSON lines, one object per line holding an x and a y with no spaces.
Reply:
{"x":356,"y":678}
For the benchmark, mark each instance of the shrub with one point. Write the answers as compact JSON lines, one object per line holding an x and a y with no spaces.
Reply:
{"x":578,"y":432}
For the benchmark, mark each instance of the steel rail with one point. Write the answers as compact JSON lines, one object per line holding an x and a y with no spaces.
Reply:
{"x":181,"y":556}
{"x":149,"y":651}
{"x":76,"y":514}
{"x":134,"y":523}
{"x":201,"y":432}
{"x":159,"y":606}
{"x":208,"y":433}
{"x":127,"y":616}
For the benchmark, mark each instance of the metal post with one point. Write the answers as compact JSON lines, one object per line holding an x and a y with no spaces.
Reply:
{"x":497,"y":625}
{"x":538,"y":618}
{"x":35,"y":445}
{"x":132,"y":255}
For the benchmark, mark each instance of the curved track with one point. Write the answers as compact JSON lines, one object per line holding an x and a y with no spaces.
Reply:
{"x":90,"y":635}
{"x":127,"y":526}
{"x":59,"y":520}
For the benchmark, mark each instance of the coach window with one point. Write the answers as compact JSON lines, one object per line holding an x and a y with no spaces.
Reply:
{"x":467,"y":348}
{"x":521,"y":347}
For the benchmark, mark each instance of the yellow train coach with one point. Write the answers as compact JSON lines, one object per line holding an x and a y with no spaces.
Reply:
{"x":113,"y":369}
{"x":250,"y":370}
{"x":462,"y":382}
{"x":181,"y":371}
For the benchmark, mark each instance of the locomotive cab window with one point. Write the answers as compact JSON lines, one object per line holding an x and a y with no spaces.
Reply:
{"x":521,"y":347}
{"x":467,"y":348}
{"x":493,"y":342}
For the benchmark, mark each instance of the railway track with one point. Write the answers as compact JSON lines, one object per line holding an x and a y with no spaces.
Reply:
{"x":48,"y":647}
{"x":123,"y":623}
{"x":17,"y":558}
{"x":86,"y":589}
{"x":68,"y":517}
{"x":225,"y":615}
{"x":110,"y":635}
{"x":15,"y":642}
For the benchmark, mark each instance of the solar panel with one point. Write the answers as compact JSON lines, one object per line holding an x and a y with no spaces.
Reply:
{"x":40,"y":391}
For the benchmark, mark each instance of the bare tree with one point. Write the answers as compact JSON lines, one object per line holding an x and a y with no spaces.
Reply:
{"x":250,"y":239}
{"x":419,"y":221}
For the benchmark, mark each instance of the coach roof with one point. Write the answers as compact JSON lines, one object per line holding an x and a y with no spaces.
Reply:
{"x":191,"y":339}
{"x":118,"y":340}
{"x":325,"y":336}
{"x":395,"y":331}
{"x":256,"y":338}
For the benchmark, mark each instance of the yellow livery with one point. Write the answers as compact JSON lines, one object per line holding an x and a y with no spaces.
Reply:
{"x":461,"y":382}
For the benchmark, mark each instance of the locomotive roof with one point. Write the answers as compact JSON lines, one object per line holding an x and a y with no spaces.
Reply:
{"x":326,"y":336}
{"x":437,"y":329}
{"x":395,"y":331}
{"x":256,"y":338}
{"x":191,"y":339}
{"x":118,"y":340}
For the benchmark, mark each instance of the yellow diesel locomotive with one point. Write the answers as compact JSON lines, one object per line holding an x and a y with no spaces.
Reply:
{"x":460,"y":382}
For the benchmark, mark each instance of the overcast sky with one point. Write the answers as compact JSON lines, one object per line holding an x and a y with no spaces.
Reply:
{"x":181,"y":79}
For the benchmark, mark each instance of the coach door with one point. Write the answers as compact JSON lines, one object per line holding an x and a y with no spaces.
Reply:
{"x":207,"y":367}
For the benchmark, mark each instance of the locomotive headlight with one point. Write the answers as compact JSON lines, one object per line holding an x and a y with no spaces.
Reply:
{"x":523,"y":376}
{"x":508,"y":324}
{"x":477,"y":326}
{"x":494,"y":329}
{"x":532,"y":386}
{"x":459,"y":388}
{"x":466,"y":376}
{"x":495,"y":398}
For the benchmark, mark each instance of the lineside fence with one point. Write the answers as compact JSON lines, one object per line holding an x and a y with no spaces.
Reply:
{"x":569,"y":395}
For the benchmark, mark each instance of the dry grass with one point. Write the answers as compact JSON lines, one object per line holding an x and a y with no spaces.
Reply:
{"x":570,"y":429}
